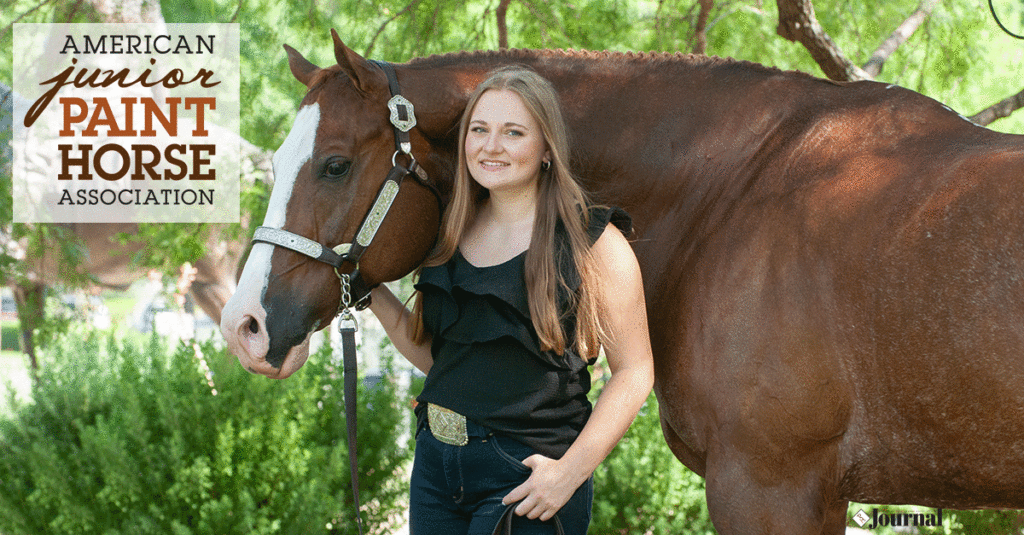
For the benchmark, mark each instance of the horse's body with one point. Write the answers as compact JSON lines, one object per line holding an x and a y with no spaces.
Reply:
{"x":834,"y":272}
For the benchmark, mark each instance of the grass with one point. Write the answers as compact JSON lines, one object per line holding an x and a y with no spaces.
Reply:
{"x":120,"y":304}
{"x":13,"y":374}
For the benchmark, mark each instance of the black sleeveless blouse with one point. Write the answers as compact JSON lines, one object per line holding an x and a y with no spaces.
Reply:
{"x":488,"y":365}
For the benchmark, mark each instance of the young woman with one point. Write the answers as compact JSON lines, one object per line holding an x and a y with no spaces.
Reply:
{"x":526,"y":284}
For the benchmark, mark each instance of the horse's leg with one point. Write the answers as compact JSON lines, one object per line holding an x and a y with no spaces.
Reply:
{"x":210,"y":297}
{"x":29,"y":299}
{"x":747,"y":498}
{"x":213,"y":285}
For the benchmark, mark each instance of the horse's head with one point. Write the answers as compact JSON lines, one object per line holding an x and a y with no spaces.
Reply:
{"x":327,"y":172}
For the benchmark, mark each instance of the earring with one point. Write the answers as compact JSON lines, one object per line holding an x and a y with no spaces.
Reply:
{"x":545,"y":165}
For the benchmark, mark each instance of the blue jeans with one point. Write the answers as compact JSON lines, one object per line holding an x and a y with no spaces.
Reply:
{"x":457,"y":490}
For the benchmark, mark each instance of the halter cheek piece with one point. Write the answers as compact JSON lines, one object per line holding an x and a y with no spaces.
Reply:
{"x":355,"y":292}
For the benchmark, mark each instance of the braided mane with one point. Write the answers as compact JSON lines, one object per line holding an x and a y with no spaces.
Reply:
{"x":639,"y":58}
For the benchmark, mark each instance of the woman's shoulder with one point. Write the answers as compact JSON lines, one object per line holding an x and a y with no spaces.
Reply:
{"x":595,"y":220}
{"x":599,"y":216}
{"x":616,"y":264}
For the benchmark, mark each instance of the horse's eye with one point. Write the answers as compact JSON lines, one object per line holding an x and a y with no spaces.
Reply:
{"x":337,"y":169}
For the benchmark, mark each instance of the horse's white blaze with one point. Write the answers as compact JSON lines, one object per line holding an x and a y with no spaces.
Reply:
{"x":296,"y":150}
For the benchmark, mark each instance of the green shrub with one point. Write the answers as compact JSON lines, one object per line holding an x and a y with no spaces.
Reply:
{"x":641,"y":487}
{"x":126,"y":440}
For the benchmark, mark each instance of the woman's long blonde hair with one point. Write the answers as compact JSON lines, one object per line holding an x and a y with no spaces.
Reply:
{"x":560,"y":197}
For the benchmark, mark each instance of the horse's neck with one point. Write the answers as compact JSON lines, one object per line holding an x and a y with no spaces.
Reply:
{"x":598,"y":89}
{"x":439,"y":91}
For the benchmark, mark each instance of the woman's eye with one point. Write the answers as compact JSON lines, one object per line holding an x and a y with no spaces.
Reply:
{"x":338,"y":169}
{"x":515,"y":133}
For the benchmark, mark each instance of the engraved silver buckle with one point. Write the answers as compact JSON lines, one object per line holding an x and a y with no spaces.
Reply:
{"x":447,"y":425}
{"x":403,"y":124}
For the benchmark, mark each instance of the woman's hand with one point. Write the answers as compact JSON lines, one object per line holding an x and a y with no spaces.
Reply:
{"x":549,"y":487}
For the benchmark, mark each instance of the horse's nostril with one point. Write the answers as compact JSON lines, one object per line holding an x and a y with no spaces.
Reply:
{"x":254,"y":327}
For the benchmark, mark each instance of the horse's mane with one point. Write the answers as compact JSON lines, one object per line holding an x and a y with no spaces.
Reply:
{"x":653,"y":59}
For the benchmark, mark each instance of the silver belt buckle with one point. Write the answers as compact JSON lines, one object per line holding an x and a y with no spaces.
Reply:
{"x":447,"y":425}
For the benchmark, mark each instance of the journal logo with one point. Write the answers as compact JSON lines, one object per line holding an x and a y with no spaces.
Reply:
{"x":900,"y":519}
{"x":126,"y":123}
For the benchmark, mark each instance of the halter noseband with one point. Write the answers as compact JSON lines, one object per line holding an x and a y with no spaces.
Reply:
{"x":355,"y":292}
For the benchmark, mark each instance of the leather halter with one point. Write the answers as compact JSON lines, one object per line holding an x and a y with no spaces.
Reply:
{"x":355,"y":290}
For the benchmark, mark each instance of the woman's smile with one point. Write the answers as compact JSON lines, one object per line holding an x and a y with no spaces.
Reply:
{"x":492,"y":165}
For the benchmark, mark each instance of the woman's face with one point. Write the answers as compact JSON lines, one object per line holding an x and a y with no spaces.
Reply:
{"x":504,"y":143}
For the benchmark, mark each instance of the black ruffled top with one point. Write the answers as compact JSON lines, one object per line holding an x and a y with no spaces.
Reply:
{"x":488,"y":364}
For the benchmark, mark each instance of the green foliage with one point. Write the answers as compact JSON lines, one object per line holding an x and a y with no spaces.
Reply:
{"x":167,"y":247}
{"x":10,"y":336}
{"x":122,"y":439}
{"x":642,"y":488}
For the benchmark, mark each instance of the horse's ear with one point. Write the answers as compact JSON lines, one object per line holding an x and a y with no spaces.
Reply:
{"x":357,"y":68}
{"x":301,"y":68}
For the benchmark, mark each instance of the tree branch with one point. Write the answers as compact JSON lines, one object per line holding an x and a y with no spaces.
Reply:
{"x":874,"y":65}
{"x":798,"y":23}
{"x":19,"y":17}
{"x":700,"y":30}
{"x":499,"y":14}
{"x":999,"y":110}
{"x":380,"y":29}
{"x":545,"y":20}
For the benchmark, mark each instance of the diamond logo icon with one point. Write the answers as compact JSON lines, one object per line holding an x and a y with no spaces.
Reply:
{"x":861,"y":518}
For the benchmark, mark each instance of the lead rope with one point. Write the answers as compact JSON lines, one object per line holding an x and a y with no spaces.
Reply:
{"x":504,"y":526}
{"x":347,"y":328}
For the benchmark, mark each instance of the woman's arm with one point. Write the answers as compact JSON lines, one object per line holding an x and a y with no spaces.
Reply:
{"x":395,"y":318}
{"x":627,"y":348}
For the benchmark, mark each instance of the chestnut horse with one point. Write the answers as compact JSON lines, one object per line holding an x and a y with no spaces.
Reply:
{"x":834,"y":271}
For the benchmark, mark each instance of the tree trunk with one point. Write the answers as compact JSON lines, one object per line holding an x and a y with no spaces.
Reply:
{"x":29,"y":297}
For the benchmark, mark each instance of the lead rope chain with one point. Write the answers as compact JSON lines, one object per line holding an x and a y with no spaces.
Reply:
{"x":347,"y":328}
